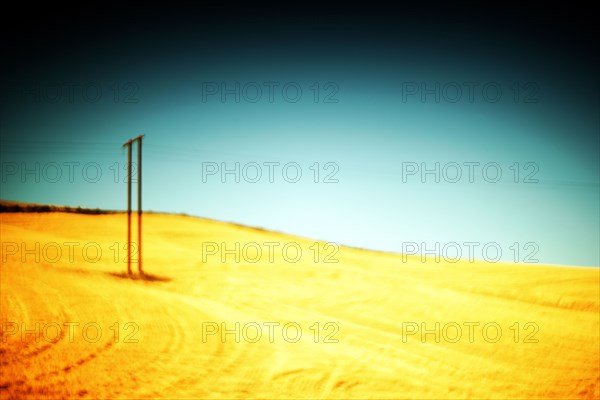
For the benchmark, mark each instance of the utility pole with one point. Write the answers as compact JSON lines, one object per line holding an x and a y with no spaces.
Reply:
{"x":129,"y":208}
{"x":139,"y":211}
{"x":139,"y":171}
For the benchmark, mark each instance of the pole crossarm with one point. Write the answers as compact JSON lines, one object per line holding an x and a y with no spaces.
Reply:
{"x":130,"y":141}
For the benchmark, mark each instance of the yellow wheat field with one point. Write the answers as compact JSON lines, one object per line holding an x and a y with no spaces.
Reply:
{"x":311,"y":322}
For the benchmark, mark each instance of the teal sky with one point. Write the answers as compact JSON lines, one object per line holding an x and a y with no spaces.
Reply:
{"x":369,"y":132}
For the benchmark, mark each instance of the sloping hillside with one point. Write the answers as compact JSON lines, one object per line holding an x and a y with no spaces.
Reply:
{"x":276,"y":316}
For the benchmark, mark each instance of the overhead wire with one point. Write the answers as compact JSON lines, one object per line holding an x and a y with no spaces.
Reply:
{"x":170,"y":152}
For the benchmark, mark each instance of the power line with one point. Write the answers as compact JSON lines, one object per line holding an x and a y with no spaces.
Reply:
{"x":175,"y":152}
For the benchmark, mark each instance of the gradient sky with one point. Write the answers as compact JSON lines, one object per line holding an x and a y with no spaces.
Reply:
{"x":79,"y":85}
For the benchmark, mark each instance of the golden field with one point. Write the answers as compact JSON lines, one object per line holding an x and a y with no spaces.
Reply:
{"x":371,"y":325}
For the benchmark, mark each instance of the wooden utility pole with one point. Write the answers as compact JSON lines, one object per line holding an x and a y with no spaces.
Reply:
{"x":129,"y":208}
{"x":139,"y":171}
{"x":139,"y":211}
